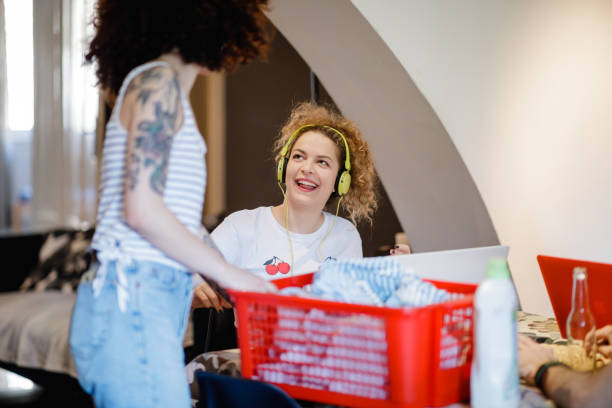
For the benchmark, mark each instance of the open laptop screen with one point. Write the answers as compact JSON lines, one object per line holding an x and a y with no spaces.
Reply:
{"x":458,"y":265}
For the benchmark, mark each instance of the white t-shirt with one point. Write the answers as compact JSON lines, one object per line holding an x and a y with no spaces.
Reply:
{"x":255,"y":241}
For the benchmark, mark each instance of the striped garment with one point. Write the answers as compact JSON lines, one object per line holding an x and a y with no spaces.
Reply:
{"x":183,"y":194}
{"x":380,"y":281}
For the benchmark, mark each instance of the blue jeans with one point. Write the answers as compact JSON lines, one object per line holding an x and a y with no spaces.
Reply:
{"x":133,"y":358}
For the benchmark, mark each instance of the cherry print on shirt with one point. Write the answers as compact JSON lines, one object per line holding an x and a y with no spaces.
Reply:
{"x":271,"y":269}
{"x":276,"y":265}
{"x":283,"y":267}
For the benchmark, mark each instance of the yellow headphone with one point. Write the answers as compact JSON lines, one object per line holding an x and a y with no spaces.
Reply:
{"x":343,"y":181}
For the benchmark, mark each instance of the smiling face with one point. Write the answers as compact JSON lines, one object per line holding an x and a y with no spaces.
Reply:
{"x":311,"y":170}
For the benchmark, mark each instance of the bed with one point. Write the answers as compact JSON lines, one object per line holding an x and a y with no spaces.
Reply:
{"x":37,"y":297}
{"x":34,"y":330}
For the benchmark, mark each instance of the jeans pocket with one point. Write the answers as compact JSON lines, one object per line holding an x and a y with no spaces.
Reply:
{"x":161,"y":277}
{"x":90,"y":326}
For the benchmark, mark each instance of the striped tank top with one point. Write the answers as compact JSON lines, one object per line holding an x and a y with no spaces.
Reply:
{"x":183,"y":194}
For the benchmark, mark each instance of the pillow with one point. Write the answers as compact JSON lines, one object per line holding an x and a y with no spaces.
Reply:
{"x":62,"y":259}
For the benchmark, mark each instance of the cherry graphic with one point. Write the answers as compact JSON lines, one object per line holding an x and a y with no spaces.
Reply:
{"x":275,"y":265}
{"x":283,"y":267}
{"x":271,"y":269}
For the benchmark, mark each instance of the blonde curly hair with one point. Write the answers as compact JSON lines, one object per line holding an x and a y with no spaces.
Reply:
{"x":360,"y":202}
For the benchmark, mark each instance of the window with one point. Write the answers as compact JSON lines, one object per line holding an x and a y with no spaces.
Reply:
{"x":20,"y":64}
{"x":50,"y":156}
{"x":19,"y":110}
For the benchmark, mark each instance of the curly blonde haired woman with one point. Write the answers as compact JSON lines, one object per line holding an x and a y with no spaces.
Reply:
{"x":325,"y":165}
{"x":360,"y":201}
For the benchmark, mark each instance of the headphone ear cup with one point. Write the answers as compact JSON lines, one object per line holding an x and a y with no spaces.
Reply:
{"x":344,"y":183}
{"x":281,"y":169}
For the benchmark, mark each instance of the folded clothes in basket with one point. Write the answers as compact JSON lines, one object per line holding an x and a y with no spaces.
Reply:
{"x":343,"y":352}
{"x":380,"y":281}
{"x":331,"y":351}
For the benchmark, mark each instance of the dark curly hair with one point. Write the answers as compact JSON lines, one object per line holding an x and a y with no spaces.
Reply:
{"x":216,"y":34}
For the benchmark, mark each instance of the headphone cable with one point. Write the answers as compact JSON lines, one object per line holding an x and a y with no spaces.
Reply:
{"x":286,"y":204}
{"x":330,"y":230}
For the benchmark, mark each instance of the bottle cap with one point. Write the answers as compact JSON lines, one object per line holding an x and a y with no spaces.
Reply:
{"x":580,"y":273}
{"x":498,"y":268}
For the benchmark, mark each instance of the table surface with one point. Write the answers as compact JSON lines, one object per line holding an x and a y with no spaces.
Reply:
{"x":542,"y":329}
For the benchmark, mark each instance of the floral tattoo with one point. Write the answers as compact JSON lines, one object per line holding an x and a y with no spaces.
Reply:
{"x":153,"y":142}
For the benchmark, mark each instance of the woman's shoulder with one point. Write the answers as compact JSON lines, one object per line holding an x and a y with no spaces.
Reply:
{"x":143,"y":82}
{"x":247,"y":215}
{"x":156,"y":79}
{"x":342,"y":224}
{"x":150,"y":71}
{"x":147,"y":78}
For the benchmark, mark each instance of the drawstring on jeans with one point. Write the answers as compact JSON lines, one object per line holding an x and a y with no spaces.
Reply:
{"x":110,"y":251}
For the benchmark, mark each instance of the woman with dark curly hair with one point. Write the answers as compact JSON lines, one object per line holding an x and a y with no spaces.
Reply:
{"x":324,"y":163}
{"x":129,"y":318}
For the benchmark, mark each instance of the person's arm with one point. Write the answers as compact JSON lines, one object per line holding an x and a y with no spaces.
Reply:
{"x":152,"y":114}
{"x":573,"y":389}
{"x":567,"y":388}
{"x":225,"y":238}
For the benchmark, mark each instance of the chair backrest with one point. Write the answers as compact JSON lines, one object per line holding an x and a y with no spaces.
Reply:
{"x":219,"y":391}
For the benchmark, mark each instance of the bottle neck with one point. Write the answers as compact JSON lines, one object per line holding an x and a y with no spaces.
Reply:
{"x":580,"y":294}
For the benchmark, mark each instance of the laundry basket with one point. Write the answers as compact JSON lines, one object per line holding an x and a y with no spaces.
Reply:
{"x":357,"y":355}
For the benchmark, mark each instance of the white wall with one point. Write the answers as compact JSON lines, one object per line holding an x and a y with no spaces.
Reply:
{"x":524,"y":89}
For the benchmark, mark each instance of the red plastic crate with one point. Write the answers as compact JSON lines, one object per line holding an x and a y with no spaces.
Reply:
{"x":357,"y":355}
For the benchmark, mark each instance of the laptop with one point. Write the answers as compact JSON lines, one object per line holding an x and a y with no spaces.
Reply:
{"x":558,"y":277}
{"x":458,"y":265}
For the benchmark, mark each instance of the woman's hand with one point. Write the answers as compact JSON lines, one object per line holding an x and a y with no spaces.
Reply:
{"x":531,"y":356}
{"x":401,"y":249}
{"x":205,"y":297}
{"x":603,"y":338}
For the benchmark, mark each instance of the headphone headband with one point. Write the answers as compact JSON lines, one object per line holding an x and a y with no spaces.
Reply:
{"x":347,"y":160}
{"x":343,"y":181}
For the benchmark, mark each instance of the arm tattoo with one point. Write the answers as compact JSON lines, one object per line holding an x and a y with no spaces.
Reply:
{"x":143,"y":84}
{"x":153,"y":142}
